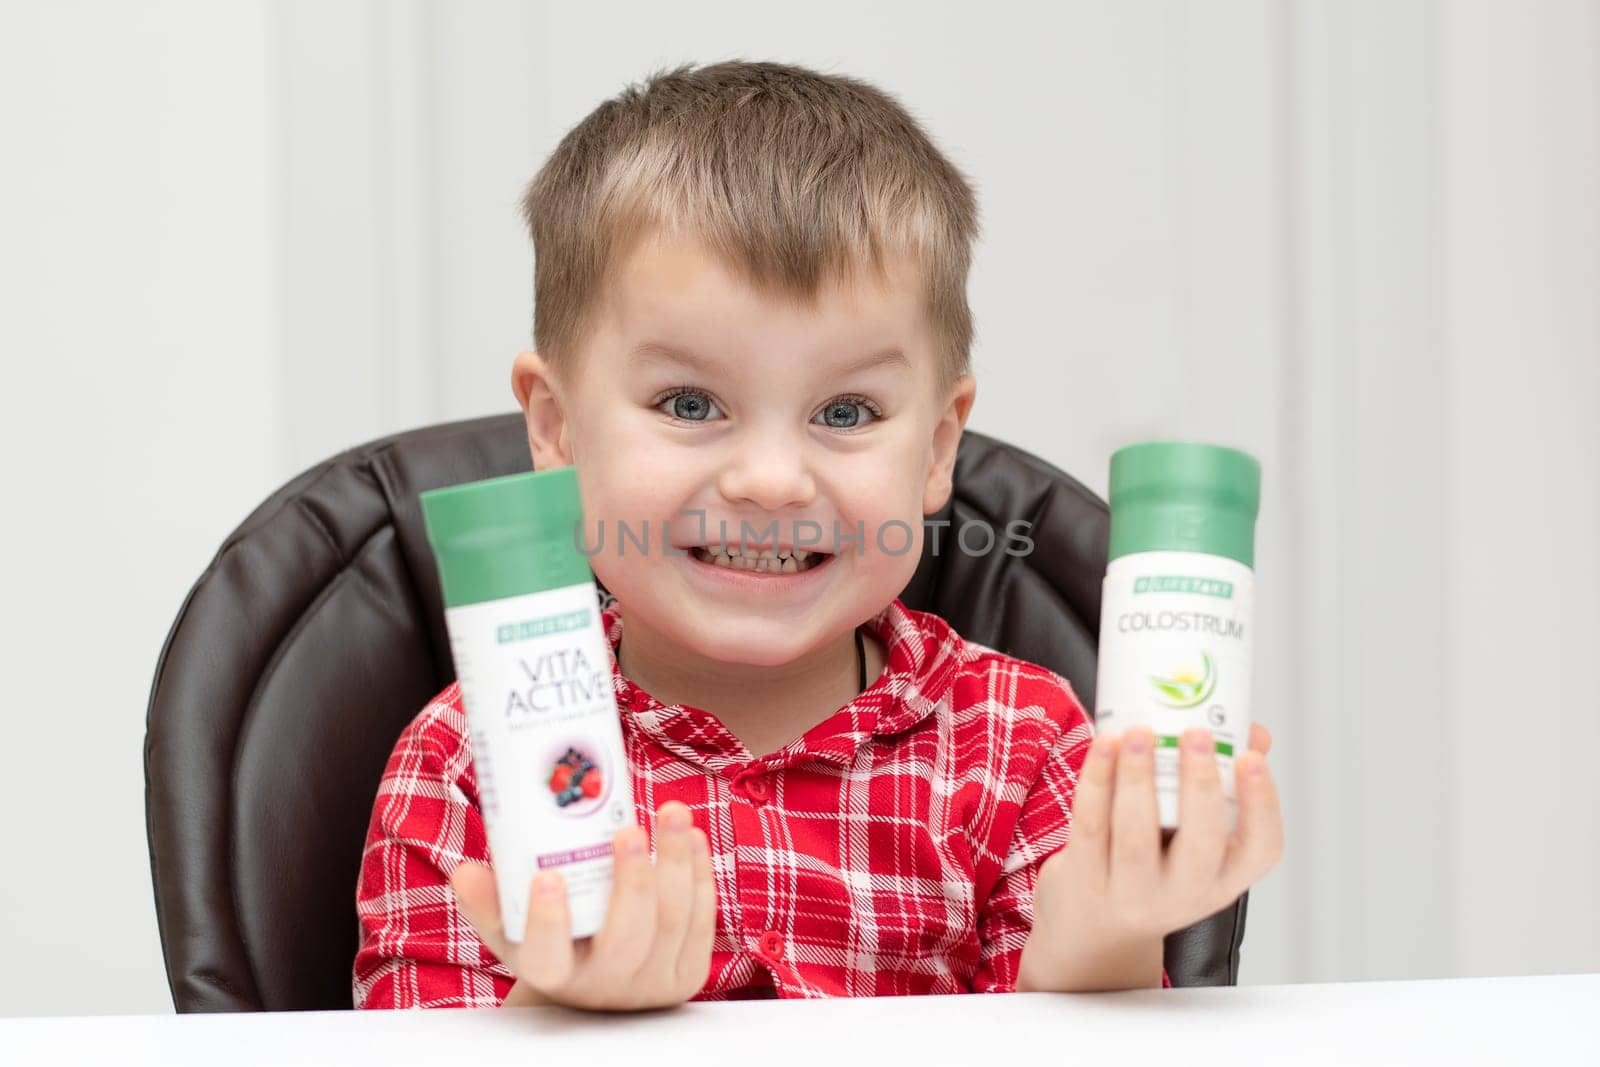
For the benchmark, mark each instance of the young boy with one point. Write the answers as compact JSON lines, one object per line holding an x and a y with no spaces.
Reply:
{"x":752,"y":325}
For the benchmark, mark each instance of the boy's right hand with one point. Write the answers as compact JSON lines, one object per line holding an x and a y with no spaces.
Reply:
{"x":654,"y":950}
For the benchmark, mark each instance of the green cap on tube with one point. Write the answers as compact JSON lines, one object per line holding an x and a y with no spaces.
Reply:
{"x":506,"y":536}
{"x":1180,"y":496}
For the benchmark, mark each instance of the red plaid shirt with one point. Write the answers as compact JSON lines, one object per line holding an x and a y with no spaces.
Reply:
{"x":892,"y":849}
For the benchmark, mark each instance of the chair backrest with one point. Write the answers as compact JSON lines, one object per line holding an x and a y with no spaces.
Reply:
{"x":317,"y":633}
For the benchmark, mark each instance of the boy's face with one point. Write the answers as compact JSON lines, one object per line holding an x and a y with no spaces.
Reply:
{"x":781,"y":415}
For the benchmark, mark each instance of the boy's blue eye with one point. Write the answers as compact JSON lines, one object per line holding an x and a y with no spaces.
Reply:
{"x":689,"y":405}
{"x":845,"y":414}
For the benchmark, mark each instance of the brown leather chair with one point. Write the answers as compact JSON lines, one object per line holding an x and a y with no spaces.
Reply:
{"x":317,"y":633}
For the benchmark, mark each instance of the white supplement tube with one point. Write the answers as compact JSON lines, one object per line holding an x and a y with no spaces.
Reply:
{"x":522,"y":612}
{"x":1175,"y":617}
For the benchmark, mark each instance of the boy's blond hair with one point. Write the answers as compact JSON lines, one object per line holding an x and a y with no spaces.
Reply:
{"x":791,"y":177}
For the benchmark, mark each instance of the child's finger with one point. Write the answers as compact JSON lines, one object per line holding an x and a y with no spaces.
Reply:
{"x":674,"y":888}
{"x":478,"y":900}
{"x":1195,"y":854}
{"x":1091,"y":802}
{"x":545,"y":957}
{"x":1257,"y":839}
{"x":623,"y":943}
{"x":1135,"y":822}
{"x":694,"y":959}
{"x":1260,"y":738}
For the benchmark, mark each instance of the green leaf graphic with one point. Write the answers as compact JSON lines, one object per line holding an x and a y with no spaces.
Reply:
{"x":1183,"y":693}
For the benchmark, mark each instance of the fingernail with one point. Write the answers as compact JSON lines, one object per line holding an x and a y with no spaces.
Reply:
{"x":675,"y":819}
{"x":1137,"y":741}
{"x":1255,"y":768}
{"x":633,"y":843}
{"x":1197,"y":741}
{"x":546,"y":884}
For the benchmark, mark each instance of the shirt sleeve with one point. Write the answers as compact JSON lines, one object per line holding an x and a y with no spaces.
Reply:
{"x":1043,"y":826}
{"x":416,"y":949}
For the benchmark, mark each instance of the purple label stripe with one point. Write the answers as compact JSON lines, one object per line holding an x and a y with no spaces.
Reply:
{"x":556,"y":859}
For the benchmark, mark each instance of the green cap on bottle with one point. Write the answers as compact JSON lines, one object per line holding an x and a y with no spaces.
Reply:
{"x":507,"y":536}
{"x":1181,"y":496}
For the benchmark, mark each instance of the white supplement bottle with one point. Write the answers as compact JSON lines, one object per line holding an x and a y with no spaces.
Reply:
{"x":522,"y":612}
{"x":1175,"y":616}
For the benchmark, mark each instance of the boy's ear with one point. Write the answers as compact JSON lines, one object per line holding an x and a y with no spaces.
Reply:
{"x":538,"y":394}
{"x":946,"y":439}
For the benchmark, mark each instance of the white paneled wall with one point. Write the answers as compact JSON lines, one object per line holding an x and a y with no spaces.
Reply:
{"x":142,"y":415}
{"x":1520,"y":152}
{"x":1369,"y":669}
{"x":1360,"y":239}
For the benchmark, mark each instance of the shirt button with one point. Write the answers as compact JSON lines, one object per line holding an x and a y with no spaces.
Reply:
{"x":772,"y":945}
{"x":757,"y":790}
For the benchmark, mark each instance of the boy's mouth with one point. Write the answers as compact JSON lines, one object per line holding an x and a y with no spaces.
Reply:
{"x":760,"y":561}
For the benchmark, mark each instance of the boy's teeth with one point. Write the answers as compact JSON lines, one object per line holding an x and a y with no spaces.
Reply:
{"x":761,"y":561}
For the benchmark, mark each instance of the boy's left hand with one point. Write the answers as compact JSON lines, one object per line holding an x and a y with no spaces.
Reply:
{"x":1104,"y":902}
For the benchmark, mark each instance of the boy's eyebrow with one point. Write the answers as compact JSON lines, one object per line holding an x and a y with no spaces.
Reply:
{"x":658,"y":350}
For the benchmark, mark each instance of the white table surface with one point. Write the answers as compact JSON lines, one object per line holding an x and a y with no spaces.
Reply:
{"x":1550,"y":1019}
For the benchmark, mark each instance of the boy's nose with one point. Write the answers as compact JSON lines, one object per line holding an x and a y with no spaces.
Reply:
{"x":770,"y":476}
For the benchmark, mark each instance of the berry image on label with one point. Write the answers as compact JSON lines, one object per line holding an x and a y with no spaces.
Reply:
{"x":575,"y":777}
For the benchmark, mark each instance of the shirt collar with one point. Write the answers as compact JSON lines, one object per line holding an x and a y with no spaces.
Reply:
{"x":923,"y":655}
